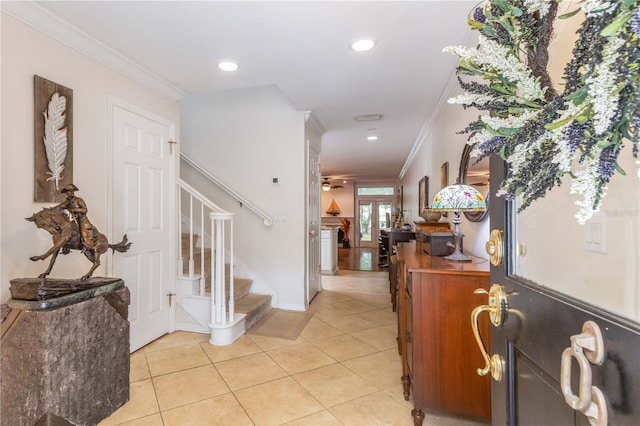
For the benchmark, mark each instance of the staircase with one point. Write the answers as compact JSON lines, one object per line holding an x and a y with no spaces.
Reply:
{"x":199,"y":309}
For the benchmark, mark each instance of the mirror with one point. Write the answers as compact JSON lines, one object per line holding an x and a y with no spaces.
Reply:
{"x":475,"y":174}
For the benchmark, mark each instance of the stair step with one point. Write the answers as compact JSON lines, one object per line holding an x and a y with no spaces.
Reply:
{"x":256,"y":306}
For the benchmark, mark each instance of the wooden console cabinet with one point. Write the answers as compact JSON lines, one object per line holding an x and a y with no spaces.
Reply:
{"x":439,"y":352}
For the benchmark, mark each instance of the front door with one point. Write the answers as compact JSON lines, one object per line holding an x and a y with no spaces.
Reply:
{"x":373,"y":216}
{"x":538,"y":368}
{"x":143,"y":209}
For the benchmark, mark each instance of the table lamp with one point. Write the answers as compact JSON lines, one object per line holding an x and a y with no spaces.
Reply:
{"x":457,"y":198}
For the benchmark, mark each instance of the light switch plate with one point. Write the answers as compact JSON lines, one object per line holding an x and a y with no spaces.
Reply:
{"x":595,"y":234}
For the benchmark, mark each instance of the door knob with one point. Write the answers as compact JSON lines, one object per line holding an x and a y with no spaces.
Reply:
{"x":495,"y":247}
{"x":497,"y":308}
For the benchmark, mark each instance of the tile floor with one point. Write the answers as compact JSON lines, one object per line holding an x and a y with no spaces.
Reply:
{"x":344,"y":369}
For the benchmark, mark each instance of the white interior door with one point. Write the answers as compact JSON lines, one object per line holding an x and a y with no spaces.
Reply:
{"x":143,"y":209}
{"x":313,"y":213}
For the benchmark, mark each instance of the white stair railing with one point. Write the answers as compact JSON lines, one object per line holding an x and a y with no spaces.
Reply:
{"x":219,"y":228}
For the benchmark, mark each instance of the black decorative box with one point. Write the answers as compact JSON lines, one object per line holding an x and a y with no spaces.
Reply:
{"x":436,"y":243}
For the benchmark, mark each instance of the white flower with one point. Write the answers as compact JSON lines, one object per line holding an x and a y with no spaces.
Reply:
{"x":564,"y":156}
{"x":479,"y":137}
{"x":585,"y":183}
{"x":541,"y":6}
{"x":470,"y":99}
{"x":593,"y":7}
{"x":512,"y":121}
{"x":602,"y":87}
{"x":494,"y":58}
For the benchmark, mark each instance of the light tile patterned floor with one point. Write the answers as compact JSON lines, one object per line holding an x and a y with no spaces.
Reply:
{"x":344,"y":369}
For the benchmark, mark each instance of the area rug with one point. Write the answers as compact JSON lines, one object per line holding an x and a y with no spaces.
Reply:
{"x":281,"y":324}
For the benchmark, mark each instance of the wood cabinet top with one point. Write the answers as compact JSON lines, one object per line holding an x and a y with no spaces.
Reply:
{"x":418,"y":261}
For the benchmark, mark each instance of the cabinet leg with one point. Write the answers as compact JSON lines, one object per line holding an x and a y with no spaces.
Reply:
{"x":418,"y":417}
{"x":406,"y":387}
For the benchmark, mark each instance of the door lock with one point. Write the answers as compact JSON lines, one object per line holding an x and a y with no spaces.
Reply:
{"x":495,"y":247}
{"x":497,"y":308}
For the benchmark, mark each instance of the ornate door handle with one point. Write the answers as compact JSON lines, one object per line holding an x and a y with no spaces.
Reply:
{"x":586,"y":347}
{"x":497,"y":308}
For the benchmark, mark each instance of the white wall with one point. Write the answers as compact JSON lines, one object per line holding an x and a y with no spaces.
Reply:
{"x":443,"y":143}
{"x":344,"y":198}
{"x":246,"y":137}
{"x":26,"y":52}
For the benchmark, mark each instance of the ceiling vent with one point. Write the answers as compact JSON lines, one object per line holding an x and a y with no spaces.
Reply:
{"x":368,"y":117}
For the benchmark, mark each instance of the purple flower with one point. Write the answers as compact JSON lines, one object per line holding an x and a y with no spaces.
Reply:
{"x":635,"y":21}
{"x":575,"y":134}
{"x":492,"y":144}
{"x":607,"y":164}
{"x":479,"y":16}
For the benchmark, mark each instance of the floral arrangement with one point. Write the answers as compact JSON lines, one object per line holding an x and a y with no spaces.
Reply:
{"x":544,"y":136}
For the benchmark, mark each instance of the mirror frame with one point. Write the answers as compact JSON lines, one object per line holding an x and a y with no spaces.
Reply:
{"x":462,"y":178}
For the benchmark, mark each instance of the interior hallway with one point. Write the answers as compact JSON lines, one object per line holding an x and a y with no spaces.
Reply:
{"x":344,"y":369}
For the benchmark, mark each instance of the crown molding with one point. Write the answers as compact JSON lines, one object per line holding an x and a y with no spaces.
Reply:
{"x":314,"y":122}
{"x":57,"y":28}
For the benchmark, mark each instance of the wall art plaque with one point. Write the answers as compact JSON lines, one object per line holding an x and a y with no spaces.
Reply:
{"x":53,"y":139}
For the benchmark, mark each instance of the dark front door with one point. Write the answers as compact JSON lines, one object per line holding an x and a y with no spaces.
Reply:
{"x":534,"y":327}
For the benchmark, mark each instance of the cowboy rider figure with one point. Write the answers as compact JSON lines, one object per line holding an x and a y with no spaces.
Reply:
{"x":75,"y":210}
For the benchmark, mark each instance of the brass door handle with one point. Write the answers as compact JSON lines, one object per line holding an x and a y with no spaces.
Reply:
{"x":495,"y":247}
{"x":497,"y":308}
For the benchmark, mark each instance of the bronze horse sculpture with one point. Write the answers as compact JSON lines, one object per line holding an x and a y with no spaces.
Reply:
{"x":67,"y":236}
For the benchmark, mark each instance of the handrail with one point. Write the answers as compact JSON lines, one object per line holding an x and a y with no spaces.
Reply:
{"x":204,"y":200}
{"x":266,"y":219}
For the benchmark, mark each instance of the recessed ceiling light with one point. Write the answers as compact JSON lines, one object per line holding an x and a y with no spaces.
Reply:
{"x":372,"y":138}
{"x":363,"y":44}
{"x":227,"y":65}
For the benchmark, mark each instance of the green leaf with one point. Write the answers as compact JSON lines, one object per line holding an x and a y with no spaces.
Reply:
{"x":558,"y":124}
{"x":569,"y":14}
{"x":488,"y":31}
{"x":502,"y":4}
{"x":620,"y":169}
{"x":603,"y":143}
{"x":579,"y":95}
{"x":507,"y":131}
{"x":516,"y":11}
{"x":615,"y":26}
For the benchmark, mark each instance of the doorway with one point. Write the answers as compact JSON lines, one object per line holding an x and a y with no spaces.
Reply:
{"x":143,"y":208}
{"x":374,"y":215}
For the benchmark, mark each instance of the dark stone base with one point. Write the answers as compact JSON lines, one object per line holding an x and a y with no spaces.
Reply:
{"x":47,"y":288}
{"x":66,"y":364}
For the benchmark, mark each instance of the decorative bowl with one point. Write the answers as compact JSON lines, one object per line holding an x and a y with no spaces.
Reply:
{"x":431,"y":215}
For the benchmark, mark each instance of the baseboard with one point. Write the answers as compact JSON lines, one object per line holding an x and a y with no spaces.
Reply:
{"x":291,"y":307}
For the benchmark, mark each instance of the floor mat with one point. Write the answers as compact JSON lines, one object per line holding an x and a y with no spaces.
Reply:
{"x":281,"y":324}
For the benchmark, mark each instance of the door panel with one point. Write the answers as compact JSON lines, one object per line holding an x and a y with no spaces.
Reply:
{"x":314,"y":282}
{"x":142,"y":205}
{"x":368,"y":236}
{"x":538,"y":328}
{"x":373,"y":215}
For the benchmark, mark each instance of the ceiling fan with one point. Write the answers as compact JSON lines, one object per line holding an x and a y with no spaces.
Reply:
{"x":326,"y":185}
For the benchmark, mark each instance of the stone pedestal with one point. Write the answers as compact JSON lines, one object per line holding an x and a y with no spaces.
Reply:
{"x":66,"y":357}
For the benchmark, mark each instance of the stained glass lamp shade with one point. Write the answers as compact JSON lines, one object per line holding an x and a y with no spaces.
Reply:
{"x":457,"y":198}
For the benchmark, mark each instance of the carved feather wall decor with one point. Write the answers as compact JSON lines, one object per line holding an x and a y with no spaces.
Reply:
{"x":55,"y":137}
